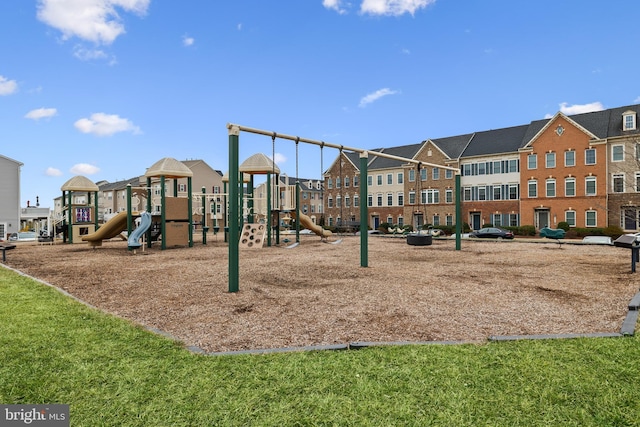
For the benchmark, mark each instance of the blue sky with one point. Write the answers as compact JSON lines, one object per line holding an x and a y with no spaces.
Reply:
{"x":105,"y":88}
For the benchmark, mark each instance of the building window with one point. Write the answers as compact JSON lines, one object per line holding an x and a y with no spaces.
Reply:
{"x":466,"y":194}
{"x":637,"y":181}
{"x":370,"y":180}
{"x":590,"y":186}
{"x":448,"y":174}
{"x":412,"y":175}
{"x":370,"y":200}
{"x":379,"y":179}
{"x":356,"y":181}
{"x":423,"y":174}
{"x":400,"y":178}
{"x":514,"y":193}
{"x":389,"y":179}
{"x":617,"y":153}
{"x":551,"y":188}
{"x":550,"y":160}
{"x":338,"y":202}
{"x":569,"y":158}
{"x":590,"y":156}
{"x":400,"y":199}
{"x":338,"y":182}
{"x":356,"y":201}
{"x":379,"y":199}
{"x":390,"y":199}
{"x":591,"y":218}
{"x":347,"y":201}
{"x":570,"y":187}
{"x":629,"y":120}
{"x":400,"y":221}
{"x":346,"y":182}
{"x":448,"y":195}
{"x":431,"y":196}
{"x":448,"y":220}
{"x":532,"y":161}
{"x":436,"y":220}
{"x":618,"y":183}
{"x":329,"y":183}
{"x":533,"y":189}
{"x":435,"y":173}
{"x":412,"y":197}
{"x":496,"y":220}
{"x":570,"y":218}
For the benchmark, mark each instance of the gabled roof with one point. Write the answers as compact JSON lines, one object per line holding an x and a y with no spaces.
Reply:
{"x":118,"y":185}
{"x":615,"y":121}
{"x":406,"y":151}
{"x":453,"y":146}
{"x":496,"y":141}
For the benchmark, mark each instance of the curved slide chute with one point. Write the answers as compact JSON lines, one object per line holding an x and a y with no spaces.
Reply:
{"x":307,"y":223}
{"x":145,"y":223}
{"x":108,"y":230}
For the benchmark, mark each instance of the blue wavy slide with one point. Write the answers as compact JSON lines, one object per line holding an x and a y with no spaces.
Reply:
{"x":134,"y":238}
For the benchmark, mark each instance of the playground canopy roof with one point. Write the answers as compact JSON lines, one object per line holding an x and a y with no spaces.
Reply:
{"x":169,"y":168}
{"x":259,"y":164}
{"x":79,"y":183}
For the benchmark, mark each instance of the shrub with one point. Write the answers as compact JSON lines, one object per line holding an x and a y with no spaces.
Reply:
{"x":564,"y":225}
{"x":613,"y":231}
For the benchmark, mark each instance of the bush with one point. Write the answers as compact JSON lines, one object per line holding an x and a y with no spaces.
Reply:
{"x":613,"y":231}
{"x":564,"y":226}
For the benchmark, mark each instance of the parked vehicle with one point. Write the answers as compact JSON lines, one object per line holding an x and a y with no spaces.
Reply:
{"x":492,"y":233}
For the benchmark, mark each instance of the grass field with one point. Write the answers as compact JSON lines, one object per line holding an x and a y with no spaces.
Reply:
{"x":111,"y":372}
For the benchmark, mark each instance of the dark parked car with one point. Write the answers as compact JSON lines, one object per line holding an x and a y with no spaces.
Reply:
{"x":492,"y":233}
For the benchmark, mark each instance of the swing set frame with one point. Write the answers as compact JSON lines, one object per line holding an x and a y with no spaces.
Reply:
{"x":235,"y":203}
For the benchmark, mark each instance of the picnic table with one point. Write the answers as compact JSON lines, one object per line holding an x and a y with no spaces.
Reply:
{"x":4,"y":247}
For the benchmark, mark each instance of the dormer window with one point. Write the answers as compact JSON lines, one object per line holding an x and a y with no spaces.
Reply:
{"x":629,"y":120}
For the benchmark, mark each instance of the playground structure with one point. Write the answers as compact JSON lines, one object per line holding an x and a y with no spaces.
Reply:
{"x":81,"y":216}
{"x":235,"y":187}
{"x":173,"y":219}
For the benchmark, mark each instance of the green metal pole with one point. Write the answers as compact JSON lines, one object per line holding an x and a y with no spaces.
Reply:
{"x":129,"y":215}
{"x":70,"y":226}
{"x":458,"y":214}
{"x":269,"y":215}
{"x":95,"y":203}
{"x":364,"y":229}
{"x":225,"y":214}
{"x":149,"y":210}
{"x":250,"y":201}
{"x":234,"y":205}
{"x":190,"y":209}
{"x":163,"y":223}
{"x":204,"y":218}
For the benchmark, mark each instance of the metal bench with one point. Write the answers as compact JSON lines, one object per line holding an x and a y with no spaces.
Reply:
{"x":4,"y":248}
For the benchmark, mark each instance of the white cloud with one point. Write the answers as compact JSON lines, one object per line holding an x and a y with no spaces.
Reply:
{"x":7,"y":87}
{"x":580,"y":108}
{"x":405,"y":51}
{"x":102,"y":124}
{"x":393,"y":7}
{"x":84,"y":169}
{"x":239,"y":27}
{"x":334,"y":5}
{"x":41,"y":113}
{"x":92,"y":20}
{"x":372,"y":97}
{"x":280,"y":159}
{"x":188,"y":41}
{"x":51,"y":171}
{"x":636,"y":100}
{"x":84,"y":54}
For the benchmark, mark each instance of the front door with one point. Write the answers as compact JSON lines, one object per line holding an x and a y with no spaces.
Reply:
{"x":542,"y":218}
{"x":630,"y":219}
{"x":376,"y":222}
{"x":475,"y":221}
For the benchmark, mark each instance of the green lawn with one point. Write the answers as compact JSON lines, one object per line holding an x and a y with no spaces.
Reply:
{"x":56,"y":350}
